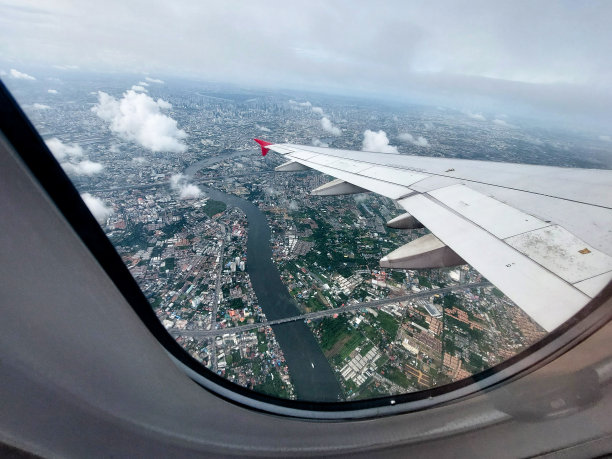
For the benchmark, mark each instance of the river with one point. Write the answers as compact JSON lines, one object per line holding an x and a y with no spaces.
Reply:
{"x":310,"y":372}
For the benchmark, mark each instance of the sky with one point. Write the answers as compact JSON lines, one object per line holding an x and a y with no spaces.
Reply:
{"x":553,"y":56}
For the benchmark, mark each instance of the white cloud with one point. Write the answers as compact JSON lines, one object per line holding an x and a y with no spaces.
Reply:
{"x":307,"y":104}
{"x":501,"y":122}
{"x":300,"y":104}
{"x":262,"y":128}
{"x":139,"y":160}
{"x":138,"y":118}
{"x":190,"y":191}
{"x":38,"y":106}
{"x":318,"y":143}
{"x":71,"y":158}
{"x":143,"y":83}
{"x":3,"y":72}
{"x":186,"y":190}
{"x":419,"y":141}
{"x":476,"y":116}
{"x":85,"y":167}
{"x":66,"y":67}
{"x":20,"y":75}
{"x":328,"y":126}
{"x":177,"y":179}
{"x":52,"y":91}
{"x":377,"y":141}
{"x":62,"y":150}
{"x":97,"y":207}
{"x":605,"y":138}
{"x":138,"y":88}
{"x":154,"y":80}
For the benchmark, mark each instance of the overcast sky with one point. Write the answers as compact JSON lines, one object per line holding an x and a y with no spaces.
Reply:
{"x":550,"y":54}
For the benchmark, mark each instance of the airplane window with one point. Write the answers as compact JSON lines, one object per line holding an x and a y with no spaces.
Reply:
{"x":293,"y":294}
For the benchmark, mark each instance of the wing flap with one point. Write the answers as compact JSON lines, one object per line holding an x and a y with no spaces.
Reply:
{"x":549,"y":245}
{"x":547,"y":299}
{"x":496,"y":217}
{"x":561,"y":252}
{"x":594,"y":285}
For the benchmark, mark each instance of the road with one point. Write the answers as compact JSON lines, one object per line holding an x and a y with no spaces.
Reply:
{"x":215,"y":304}
{"x":326,"y":313}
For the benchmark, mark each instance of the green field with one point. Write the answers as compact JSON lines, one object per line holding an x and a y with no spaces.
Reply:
{"x":333,"y":331}
{"x":395,"y":375}
{"x":388,"y":323}
{"x":355,"y":340}
{"x":213,"y":207}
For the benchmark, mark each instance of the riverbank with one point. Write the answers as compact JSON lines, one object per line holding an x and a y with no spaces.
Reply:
{"x":311,"y":373}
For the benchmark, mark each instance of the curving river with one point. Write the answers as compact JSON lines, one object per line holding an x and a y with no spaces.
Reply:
{"x":311,"y":373}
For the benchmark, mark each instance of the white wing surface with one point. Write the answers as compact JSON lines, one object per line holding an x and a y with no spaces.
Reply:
{"x":542,"y":235}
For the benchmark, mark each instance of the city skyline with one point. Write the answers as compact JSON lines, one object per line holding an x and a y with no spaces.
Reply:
{"x":548,"y":59}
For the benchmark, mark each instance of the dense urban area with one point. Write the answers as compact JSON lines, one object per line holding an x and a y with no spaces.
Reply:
{"x":176,"y":207}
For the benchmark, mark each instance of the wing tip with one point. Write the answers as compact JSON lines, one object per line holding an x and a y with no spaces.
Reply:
{"x":263,"y":144}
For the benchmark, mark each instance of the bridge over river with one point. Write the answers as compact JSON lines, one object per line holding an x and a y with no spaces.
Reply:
{"x":326,"y":313}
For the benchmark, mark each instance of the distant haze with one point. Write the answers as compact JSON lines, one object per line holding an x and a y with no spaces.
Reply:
{"x":541,"y":55}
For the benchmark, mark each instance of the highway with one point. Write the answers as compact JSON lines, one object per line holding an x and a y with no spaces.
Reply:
{"x":326,"y":313}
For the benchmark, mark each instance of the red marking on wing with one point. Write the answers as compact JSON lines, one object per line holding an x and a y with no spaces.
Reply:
{"x":263,"y":144}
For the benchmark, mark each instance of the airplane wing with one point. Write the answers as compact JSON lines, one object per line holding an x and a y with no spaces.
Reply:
{"x":542,"y":235}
